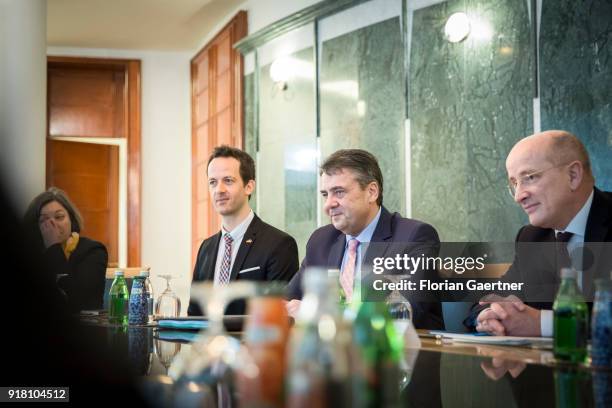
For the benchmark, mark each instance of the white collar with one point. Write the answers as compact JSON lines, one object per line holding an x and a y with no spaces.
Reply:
{"x":368,"y":231}
{"x":577,"y":225}
{"x":238,"y":232}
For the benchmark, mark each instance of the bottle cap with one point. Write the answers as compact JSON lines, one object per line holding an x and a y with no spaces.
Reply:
{"x":144,"y":273}
{"x":118,"y":273}
{"x":567,"y":273}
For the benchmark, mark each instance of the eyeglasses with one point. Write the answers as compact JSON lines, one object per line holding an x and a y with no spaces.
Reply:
{"x":527,"y":180}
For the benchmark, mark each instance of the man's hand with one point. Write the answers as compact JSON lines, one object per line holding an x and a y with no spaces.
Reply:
{"x":508,"y":316}
{"x":293,"y":306}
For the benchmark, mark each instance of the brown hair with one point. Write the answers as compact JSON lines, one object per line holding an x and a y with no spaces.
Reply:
{"x":362,"y":163}
{"x":32,"y":214}
{"x":247,"y":165}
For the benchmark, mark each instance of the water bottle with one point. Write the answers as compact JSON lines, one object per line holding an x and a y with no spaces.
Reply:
{"x":119,"y":298}
{"x":319,"y":369}
{"x":601,"y":334}
{"x":570,"y":324}
{"x":138,"y":307}
{"x":148,"y":290}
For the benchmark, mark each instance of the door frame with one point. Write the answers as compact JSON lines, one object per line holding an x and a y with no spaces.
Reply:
{"x":131,"y":69}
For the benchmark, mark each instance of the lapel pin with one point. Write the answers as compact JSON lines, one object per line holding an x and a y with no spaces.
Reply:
{"x":249,"y":241}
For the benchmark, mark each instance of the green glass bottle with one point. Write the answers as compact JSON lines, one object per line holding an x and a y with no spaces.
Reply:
{"x":379,"y":348}
{"x":319,"y":350}
{"x":119,"y":300}
{"x":570,"y":324}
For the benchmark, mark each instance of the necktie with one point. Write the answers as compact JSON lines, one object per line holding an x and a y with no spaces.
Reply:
{"x":224,"y":272}
{"x":563,"y":258}
{"x":347,"y":277}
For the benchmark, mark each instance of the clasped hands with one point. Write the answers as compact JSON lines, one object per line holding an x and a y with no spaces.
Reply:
{"x":508,"y":316}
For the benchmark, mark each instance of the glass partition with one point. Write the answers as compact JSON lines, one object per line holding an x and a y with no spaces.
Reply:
{"x":287,"y":158}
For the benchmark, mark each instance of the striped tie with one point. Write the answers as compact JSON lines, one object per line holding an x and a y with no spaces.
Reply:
{"x":224,"y":272}
{"x":347,"y":277}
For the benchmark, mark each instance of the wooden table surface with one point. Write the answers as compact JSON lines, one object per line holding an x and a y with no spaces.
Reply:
{"x":513,"y":353}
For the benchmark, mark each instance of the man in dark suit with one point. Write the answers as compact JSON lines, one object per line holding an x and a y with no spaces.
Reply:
{"x":361,"y":229}
{"x":550,"y":177}
{"x":246,"y":248}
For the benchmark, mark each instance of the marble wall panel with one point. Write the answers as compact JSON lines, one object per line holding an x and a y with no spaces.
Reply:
{"x":469,"y":102}
{"x":362,"y":101}
{"x":576,"y":76}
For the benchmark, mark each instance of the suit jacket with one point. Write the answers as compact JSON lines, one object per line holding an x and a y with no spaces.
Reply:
{"x":326,"y":246}
{"x":541,"y":270}
{"x":265,"y":254}
{"x":85,"y":270}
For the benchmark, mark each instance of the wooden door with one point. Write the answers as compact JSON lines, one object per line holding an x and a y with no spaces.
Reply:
{"x":89,"y":173}
{"x":96,"y":98}
{"x":216,"y":78}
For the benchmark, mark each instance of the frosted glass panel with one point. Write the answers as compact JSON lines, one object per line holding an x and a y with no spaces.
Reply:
{"x":287,"y":136}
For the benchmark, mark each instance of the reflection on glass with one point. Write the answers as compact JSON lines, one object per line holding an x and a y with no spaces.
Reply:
{"x":497,"y":368}
{"x":140,"y":349}
{"x":166,"y":351}
{"x":602,"y":388}
{"x":287,"y":145}
{"x":572,"y":388}
{"x":406,"y":366}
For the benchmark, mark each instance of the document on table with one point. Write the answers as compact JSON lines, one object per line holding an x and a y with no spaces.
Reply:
{"x":539,"y":342}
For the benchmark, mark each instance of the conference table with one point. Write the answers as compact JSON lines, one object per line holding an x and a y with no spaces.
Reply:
{"x":436,"y":373}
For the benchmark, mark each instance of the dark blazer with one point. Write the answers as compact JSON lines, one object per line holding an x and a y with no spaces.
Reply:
{"x":85,"y":270}
{"x":326,"y":245}
{"x":540,"y":270}
{"x":269,"y":253}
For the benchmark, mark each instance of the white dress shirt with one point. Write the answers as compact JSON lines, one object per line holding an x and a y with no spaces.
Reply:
{"x":577,"y":227}
{"x":364,"y":239}
{"x":237,"y":234}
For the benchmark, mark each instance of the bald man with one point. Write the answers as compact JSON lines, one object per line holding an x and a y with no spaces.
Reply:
{"x":550,"y":177}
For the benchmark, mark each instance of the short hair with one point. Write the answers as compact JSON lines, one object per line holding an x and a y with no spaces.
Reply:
{"x":566,"y":148}
{"x":32,"y":214}
{"x":362,"y":163}
{"x":247,"y":165}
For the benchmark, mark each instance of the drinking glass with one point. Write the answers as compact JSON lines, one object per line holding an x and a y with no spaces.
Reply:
{"x":168,"y":303}
{"x":399,"y":307}
{"x":215,"y":356}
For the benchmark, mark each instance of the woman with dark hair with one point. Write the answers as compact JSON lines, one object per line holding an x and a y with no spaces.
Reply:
{"x":79,"y":263}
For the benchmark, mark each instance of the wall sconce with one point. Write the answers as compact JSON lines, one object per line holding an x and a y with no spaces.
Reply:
{"x":457,"y":27}
{"x":281,"y":71}
{"x":361,"y":108}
